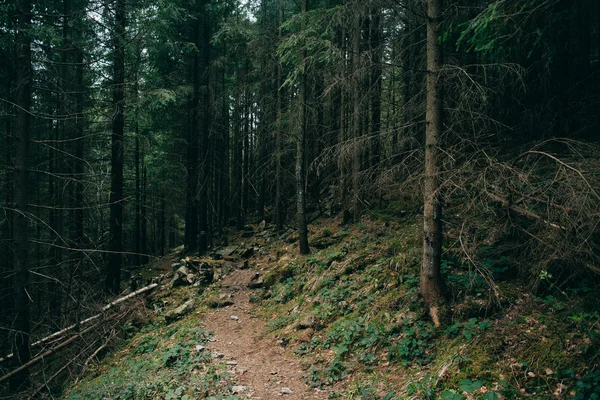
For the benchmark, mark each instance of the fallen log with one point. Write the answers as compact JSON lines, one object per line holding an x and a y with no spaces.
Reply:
{"x":87,"y":320}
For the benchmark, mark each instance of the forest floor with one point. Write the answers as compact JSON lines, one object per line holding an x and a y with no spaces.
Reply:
{"x":346,"y":322}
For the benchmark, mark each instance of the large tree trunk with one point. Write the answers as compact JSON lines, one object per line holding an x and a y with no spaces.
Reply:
{"x":21,"y":328}
{"x":301,"y":158}
{"x":113,"y":275}
{"x":431,"y":280}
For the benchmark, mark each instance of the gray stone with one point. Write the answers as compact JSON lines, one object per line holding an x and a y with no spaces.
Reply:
{"x":180,"y":311}
{"x":262,"y":225}
{"x":306,"y":323}
{"x":285,"y":390}
{"x":231,"y":363}
{"x":220,"y":301}
{"x":239,"y":389}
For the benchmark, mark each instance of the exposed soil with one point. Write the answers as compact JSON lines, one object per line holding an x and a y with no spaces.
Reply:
{"x":264,"y":366}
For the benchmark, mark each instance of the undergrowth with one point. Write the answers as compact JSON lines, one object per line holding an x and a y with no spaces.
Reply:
{"x":361,"y":295}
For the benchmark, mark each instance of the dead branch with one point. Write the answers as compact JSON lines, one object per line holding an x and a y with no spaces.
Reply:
{"x":90,"y":319}
{"x":39,"y":358}
{"x":522,"y":211}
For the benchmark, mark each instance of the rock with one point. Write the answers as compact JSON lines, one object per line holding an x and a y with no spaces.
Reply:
{"x":244,"y":264}
{"x":180,"y":311}
{"x":239,"y":389}
{"x":234,"y":318}
{"x":274,"y":372}
{"x":199,"y":348}
{"x":206,"y":273}
{"x":262,"y":225}
{"x":256,"y":282}
{"x":231,"y":363}
{"x":222,"y":300}
{"x":285,"y":390}
{"x":217,"y":355}
{"x":247,"y":252}
{"x":175,"y":266}
{"x":306,"y":323}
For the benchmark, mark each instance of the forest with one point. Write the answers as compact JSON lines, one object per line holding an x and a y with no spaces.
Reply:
{"x":405,"y":192}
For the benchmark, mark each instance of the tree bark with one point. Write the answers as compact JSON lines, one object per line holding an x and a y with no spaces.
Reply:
{"x":278,"y":138}
{"x":432,"y":287}
{"x":301,"y":158}
{"x":113,"y":275}
{"x":21,"y":327}
{"x":356,"y":115}
{"x":204,"y":127}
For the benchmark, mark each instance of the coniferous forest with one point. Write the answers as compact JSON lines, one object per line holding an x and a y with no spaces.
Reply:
{"x":405,"y":192}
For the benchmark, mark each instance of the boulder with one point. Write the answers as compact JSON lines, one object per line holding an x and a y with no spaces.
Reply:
{"x":256,"y":282}
{"x":180,"y":311}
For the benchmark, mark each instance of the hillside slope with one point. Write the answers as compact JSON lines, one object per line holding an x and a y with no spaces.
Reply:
{"x":347,"y":322}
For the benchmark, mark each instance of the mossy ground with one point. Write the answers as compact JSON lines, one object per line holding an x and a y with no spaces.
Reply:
{"x":351,"y":312}
{"x":370,"y":337}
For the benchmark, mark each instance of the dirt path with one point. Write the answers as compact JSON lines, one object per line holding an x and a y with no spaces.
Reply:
{"x":264,"y":368}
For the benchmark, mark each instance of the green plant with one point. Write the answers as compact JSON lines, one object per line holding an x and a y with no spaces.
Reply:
{"x":469,"y":386}
{"x":423,"y":389}
{"x":415,"y":345}
{"x":468,"y":328}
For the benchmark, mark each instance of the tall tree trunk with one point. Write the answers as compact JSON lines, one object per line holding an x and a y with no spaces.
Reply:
{"x":113,"y":275}
{"x":21,"y":328}
{"x":375,"y":86}
{"x":301,"y":157}
{"x":192,"y":196}
{"x":431,"y":281}
{"x":78,"y":217}
{"x":204,"y":128}
{"x":138,"y":201}
{"x":278,"y":136}
{"x":356,"y":116}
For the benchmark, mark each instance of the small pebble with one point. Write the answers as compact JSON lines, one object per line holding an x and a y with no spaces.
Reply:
{"x":234,"y":317}
{"x":285,"y":390}
{"x":238,"y":389}
{"x":199,"y":348}
{"x":231,"y":362}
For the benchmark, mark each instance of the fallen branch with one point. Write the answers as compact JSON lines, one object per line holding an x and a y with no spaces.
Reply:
{"x":39,"y":358}
{"x":90,"y":319}
{"x":522,"y":211}
{"x":45,"y":384}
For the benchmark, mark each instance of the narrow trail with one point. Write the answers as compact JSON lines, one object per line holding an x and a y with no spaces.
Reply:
{"x":264,"y":368}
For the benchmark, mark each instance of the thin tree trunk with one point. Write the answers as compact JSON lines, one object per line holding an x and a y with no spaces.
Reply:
{"x":278,"y":137}
{"x":301,"y":158}
{"x":21,"y":328}
{"x":375,"y":87}
{"x":115,"y":261}
{"x":356,"y":116}
{"x":431,"y":281}
{"x":192,"y":196}
{"x":204,"y":120}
